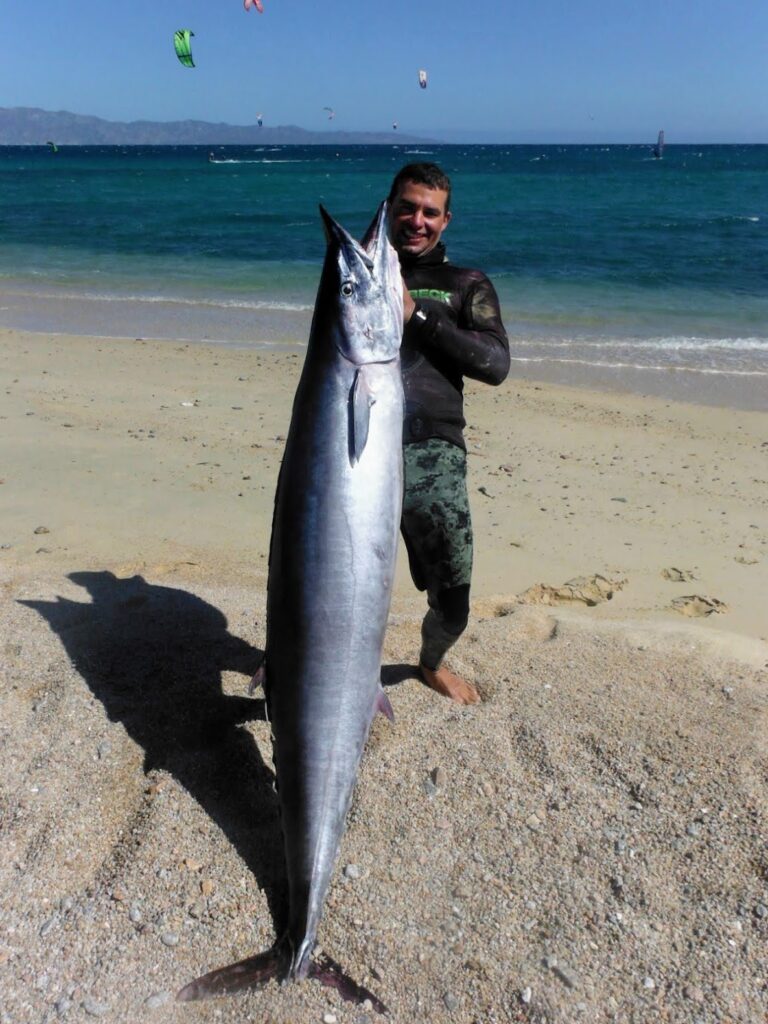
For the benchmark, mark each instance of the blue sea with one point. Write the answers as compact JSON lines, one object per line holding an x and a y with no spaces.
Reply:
{"x":613,"y":269}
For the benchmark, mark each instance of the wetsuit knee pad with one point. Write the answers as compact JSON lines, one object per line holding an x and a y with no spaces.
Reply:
{"x":452,"y":605}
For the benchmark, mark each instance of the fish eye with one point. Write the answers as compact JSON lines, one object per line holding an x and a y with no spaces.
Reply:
{"x":347,"y":289}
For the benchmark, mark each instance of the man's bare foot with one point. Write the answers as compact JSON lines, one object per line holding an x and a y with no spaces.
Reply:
{"x":447,"y":683}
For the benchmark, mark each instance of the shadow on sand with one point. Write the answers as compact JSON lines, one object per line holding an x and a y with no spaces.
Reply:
{"x":153,"y":656}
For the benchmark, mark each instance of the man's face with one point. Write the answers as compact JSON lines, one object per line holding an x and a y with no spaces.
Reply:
{"x":418,"y":218}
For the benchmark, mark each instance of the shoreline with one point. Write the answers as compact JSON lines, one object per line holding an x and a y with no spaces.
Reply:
{"x":279,"y":328}
{"x":722,"y":389}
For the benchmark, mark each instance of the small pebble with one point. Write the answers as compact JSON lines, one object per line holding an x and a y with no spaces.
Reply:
{"x":352,"y":871}
{"x":451,"y":1002}
{"x":169,"y":939}
{"x":94,"y":1008}
{"x":42,"y":529}
{"x":157,"y":999}
{"x":135,"y":914}
{"x":63,"y":1005}
{"x":526,"y":995}
{"x":329,"y":1018}
{"x":694,"y":993}
{"x":761,"y":910}
{"x":649,"y":983}
{"x":566,"y":975}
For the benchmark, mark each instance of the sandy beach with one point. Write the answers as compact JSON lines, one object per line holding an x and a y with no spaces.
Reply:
{"x":589,"y":843}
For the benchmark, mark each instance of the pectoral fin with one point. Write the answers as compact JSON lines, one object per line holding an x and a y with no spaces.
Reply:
{"x":361,"y":400}
{"x":383,"y":705}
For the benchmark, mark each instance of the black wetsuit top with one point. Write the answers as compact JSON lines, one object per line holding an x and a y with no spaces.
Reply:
{"x":455,"y":332}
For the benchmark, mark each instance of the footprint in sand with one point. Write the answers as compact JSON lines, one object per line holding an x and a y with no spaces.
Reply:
{"x":747,"y":557}
{"x":696,"y":607}
{"x":589,"y":590}
{"x":677,"y":575}
{"x":528,"y":623}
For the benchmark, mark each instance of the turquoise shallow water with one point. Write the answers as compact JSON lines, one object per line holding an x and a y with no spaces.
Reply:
{"x":608,"y":263}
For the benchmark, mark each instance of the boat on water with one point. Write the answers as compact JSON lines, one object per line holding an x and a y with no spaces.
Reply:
{"x":658,"y":149}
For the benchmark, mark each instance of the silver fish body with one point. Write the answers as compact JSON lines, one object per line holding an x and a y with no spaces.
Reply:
{"x":332,"y":562}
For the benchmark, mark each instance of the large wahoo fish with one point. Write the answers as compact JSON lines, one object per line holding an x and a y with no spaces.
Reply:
{"x":332,"y":562}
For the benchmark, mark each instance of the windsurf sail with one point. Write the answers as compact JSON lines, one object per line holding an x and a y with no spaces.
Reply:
{"x":183,"y":46}
{"x":658,"y":149}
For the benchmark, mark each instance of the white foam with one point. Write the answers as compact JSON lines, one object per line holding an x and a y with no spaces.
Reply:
{"x":666,"y":368}
{"x":674,"y":343}
{"x":172,"y":300}
{"x":262,"y":160}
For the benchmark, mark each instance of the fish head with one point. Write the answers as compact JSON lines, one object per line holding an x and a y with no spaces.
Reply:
{"x":362,"y":287}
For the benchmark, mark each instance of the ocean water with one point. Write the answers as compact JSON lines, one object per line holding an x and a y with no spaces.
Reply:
{"x":612,"y":268}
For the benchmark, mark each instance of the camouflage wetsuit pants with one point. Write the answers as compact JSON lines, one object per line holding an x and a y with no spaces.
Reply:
{"x":437,"y":530}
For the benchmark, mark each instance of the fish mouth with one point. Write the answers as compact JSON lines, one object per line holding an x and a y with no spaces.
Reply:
{"x":374,"y":250}
{"x":353,"y":252}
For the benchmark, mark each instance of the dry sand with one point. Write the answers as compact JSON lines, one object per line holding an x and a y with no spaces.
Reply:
{"x":588,"y":844}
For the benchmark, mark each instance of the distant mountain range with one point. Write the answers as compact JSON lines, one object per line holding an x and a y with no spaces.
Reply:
{"x":31,"y":126}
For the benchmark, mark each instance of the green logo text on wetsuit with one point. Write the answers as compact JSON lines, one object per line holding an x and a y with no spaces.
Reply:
{"x":431,"y":293}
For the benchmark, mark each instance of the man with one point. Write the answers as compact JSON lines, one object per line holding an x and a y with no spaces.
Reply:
{"x":453,"y":330}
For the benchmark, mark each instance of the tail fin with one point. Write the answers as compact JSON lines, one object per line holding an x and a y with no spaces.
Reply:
{"x":251,"y":973}
{"x":332,"y":975}
{"x":275,"y":964}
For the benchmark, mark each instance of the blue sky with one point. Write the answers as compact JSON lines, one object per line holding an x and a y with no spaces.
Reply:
{"x":527,"y":71}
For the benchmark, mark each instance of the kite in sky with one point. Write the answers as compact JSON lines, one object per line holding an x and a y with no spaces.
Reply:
{"x":331,"y":113}
{"x":423,"y":78}
{"x":181,"y":41}
{"x":248,"y":4}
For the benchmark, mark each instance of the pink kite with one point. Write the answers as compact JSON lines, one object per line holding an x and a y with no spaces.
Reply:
{"x":254,"y":3}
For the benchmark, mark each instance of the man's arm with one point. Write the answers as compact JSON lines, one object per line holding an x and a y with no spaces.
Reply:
{"x":479,"y":348}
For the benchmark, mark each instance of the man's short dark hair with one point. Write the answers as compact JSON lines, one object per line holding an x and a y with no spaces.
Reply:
{"x":423,"y":174}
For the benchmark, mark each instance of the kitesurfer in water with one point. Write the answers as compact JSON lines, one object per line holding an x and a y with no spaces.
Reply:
{"x":453,"y":329}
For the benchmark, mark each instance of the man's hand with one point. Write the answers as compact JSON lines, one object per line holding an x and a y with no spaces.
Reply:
{"x":408,"y":304}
